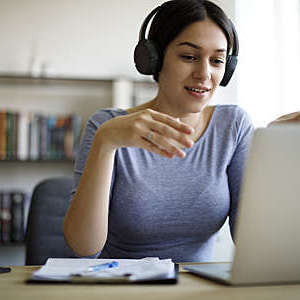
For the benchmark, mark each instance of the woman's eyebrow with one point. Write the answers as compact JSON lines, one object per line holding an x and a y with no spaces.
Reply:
{"x":222,"y":50}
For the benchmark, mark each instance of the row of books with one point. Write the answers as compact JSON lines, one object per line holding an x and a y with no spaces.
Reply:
{"x":33,"y":136}
{"x":13,"y":209}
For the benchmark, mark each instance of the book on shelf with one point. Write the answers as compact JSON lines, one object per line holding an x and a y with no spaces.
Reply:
{"x":34,"y":136}
{"x":2,"y":134}
{"x":17,"y":216}
{"x":23,"y":140}
{"x":5,"y":207}
{"x":12,"y":216}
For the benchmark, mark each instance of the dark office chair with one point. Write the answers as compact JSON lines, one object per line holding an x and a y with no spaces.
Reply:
{"x":44,"y":236}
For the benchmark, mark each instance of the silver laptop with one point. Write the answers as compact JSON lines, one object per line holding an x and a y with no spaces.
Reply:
{"x":267,"y":232}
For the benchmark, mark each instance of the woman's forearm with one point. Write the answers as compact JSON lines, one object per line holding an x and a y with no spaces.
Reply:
{"x":86,"y":222}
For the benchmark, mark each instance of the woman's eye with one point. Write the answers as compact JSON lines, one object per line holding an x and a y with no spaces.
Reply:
{"x":189,"y":57}
{"x":218,"y":61}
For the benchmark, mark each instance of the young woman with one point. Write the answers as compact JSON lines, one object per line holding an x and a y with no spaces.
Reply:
{"x":160,"y":179}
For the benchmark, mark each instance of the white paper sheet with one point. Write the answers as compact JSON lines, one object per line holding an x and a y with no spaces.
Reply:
{"x":149,"y":268}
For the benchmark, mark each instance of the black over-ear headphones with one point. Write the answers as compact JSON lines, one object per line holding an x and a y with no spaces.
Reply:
{"x":148,"y":56}
{"x":232,"y":59}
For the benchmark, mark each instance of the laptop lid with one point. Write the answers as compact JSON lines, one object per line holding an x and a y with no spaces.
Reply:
{"x":268,"y":223}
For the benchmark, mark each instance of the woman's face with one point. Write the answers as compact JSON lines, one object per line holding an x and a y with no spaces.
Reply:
{"x":193,"y":67}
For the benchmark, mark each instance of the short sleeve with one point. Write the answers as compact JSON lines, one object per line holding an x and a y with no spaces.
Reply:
{"x":95,"y":121}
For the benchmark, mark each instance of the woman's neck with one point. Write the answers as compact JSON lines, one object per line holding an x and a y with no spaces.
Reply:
{"x":189,"y":118}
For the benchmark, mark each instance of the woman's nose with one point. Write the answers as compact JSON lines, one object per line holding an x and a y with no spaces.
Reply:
{"x":202,"y":71}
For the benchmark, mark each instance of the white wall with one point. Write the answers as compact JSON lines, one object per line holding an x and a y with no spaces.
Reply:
{"x":94,"y":38}
{"x":73,"y":37}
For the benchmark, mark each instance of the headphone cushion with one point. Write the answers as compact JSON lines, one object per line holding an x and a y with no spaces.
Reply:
{"x":147,"y":57}
{"x":229,"y":69}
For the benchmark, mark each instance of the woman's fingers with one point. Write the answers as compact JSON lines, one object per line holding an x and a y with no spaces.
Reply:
{"x":148,"y":129}
{"x":145,"y":144}
{"x":292,"y":117}
{"x":169,"y":131}
{"x":163,"y":132}
{"x":172,"y":122}
{"x":169,"y":127}
{"x":287,"y":119}
{"x":163,"y":144}
{"x":166,"y":133}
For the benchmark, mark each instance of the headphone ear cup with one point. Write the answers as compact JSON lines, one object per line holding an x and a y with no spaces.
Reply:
{"x":229,"y":69}
{"x":147,"y":57}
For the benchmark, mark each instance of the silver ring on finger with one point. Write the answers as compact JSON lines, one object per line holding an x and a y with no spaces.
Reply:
{"x":150,"y":136}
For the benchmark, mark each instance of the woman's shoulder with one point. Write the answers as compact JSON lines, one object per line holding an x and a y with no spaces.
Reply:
{"x":233,"y":116}
{"x":105,"y":114}
{"x":232,"y":109}
{"x":232,"y":112}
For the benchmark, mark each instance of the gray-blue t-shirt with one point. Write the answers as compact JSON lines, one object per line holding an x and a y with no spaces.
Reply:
{"x":173,"y":208}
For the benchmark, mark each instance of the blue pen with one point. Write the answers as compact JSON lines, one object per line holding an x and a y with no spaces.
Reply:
{"x":109,"y":265}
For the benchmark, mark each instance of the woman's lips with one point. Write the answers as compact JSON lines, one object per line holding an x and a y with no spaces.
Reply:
{"x":197,"y":91}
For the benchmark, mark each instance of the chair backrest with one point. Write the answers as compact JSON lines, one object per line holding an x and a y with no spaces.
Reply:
{"x":44,"y":235}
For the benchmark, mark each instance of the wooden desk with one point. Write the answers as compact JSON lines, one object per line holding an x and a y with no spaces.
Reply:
{"x":13,"y":287}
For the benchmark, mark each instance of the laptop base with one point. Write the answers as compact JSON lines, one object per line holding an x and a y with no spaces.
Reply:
{"x":219,"y":272}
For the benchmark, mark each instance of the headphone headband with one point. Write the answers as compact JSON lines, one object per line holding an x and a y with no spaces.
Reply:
{"x":142,"y":35}
{"x":235,"y":46}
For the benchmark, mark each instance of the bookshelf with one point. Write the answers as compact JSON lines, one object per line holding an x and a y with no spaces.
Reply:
{"x":56,"y":96}
{"x":50,"y":96}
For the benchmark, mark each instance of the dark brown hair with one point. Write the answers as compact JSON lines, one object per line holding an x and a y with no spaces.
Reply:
{"x":175,"y":15}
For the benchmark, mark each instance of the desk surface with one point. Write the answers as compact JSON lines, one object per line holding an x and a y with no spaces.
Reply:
{"x":13,"y":286}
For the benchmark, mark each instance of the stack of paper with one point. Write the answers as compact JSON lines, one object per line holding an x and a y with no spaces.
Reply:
{"x":127,"y":270}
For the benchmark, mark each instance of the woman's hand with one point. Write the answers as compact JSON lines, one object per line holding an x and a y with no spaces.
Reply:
{"x":147,"y":129}
{"x":287,"y":119}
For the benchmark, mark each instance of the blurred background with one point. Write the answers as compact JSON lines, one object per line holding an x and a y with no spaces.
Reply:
{"x":64,"y":59}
